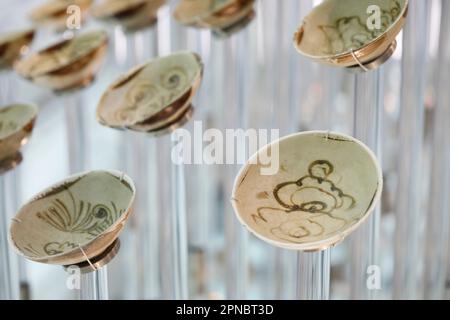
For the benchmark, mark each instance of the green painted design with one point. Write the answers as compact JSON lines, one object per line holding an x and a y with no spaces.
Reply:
{"x":307,"y":206}
{"x":352,"y":33}
{"x":81,"y":217}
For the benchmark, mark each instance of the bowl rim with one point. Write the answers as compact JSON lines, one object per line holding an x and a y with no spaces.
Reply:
{"x":104,"y":3}
{"x":136,"y":69}
{"x":329,"y":241}
{"x":33,"y":107}
{"x":112,"y":227}
{"x":205,"y":14}
{"x":64,"y":42}
{"x":14,"y":35}
{"x":51,"y":6}
{"x":300,"y":30}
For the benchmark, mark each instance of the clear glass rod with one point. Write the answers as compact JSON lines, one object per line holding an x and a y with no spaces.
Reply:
{"x":94,"y":285}
{"x":313,"y":275}
{"x":438,"y":210}
{"x":368,"y":93}
{"x":9,"y":268}
{"x":409,"y":211}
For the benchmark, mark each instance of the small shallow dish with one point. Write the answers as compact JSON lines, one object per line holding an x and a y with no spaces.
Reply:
{"x":16,"y":125}
{"x":326,"y":185}
{"x":67,"y":65}
{"x":220,"y":15}
{"x":132,"y":15}
{"x":154,"y":96}
{"x":13,"y":45}
{"x":53,"y":13}
{"x":74,"y":220}
{"x":338,"y":31}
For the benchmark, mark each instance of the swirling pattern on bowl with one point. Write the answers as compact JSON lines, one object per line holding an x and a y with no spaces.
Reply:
{"x":87,"y":210}
{"x":326,"y":185}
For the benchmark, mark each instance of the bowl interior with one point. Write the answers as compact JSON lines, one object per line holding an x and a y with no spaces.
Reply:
{"x":325,"y":185}
{"x":147,"y":89}
{"x":338,"y":26}
{"x":61,"y":54}
{"x":14,"y":117}
{"x":72,"y":214}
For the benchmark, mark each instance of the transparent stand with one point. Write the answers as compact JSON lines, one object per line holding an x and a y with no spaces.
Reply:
{"x":367,"y":125}
{"x":313,"y":275}
{"x":438,"y":215}
{"x":202,"y":206}
{"x":173,"y":246}
{"x":94,"y":285}
{"x":140,"y":162}
{"x":75,"y":131}
{"x":409,"y":210}
{"x":236,"y":116}
{"x":9,"y":275}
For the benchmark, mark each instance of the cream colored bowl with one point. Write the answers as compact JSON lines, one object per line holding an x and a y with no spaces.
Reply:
{"x":132,"y":15}
{"x":53,"y":13}
{"x":325,"y":186}
{"x":16,"y":124}
{"x":152,"y":96}
{"x":336,"y":28}
{"x":68,"y":64}
{"x":213,"y":14}
{"x":74,"y":220}
{"x":13,"y":45}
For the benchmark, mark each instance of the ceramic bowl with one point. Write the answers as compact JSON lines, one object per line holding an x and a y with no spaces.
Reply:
{"x":335,"y":28}
{"x":68,"y":64}
{"x":53,"y":13}
{"x":16,"y":124}
{"x":153,"y":96}
{"x":214,"y":14}
{"x":132,"y":15}
{"x":87,"y":210}
{"x":13,"y":45}
{"x":324,"y":186}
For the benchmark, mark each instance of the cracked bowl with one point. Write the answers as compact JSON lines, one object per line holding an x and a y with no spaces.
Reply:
{"x":86,"y":211}
{"x":335,"y":28}
{"x":321,"y":189}
{"x":67,"y":65}
{"x":132,"y":15}
{"x":16,"y":125}
{"x":154,"y":96}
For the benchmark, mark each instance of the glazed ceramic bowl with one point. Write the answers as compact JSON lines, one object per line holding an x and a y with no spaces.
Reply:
{"x":53,"y":13}
{"x":153,"y":96}
{"x":16,"y":124}
{"x":13,"y":45}
{"x":132,"y":15}
{"x":68,"y":64}
{"x":321,"y":189}
{"x":214,"y":14}
{"x":86,"y":211}
{"x":336,"y":28}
